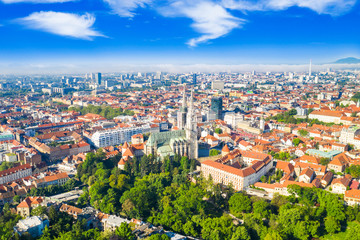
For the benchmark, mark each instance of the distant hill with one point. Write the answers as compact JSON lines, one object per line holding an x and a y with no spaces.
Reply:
{"x":349,"y":60}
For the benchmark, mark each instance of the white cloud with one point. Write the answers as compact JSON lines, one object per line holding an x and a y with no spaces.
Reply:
{"x":64,"y":24}
{"x":126,"y":8}
{"x":209,"y":19}
{"x":34,"y":1}
{"x":332,"y":7}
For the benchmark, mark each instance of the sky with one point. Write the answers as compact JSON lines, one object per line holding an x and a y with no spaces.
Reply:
{"x":94,"y":35}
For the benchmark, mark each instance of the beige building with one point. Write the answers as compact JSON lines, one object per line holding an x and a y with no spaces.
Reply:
{"x":29,"y":203}
{"x":352,"y":197}
{"x":327,"y":116}
{"x":231,"y":171}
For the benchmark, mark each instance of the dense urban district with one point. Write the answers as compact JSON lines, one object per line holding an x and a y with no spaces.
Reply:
{"x":234,"y":156}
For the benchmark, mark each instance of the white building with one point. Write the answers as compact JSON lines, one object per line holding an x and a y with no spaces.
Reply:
{"x":33,"y":225}
{"x":350,"y":136}
{"x":233,"y":119}
{"x":217,"y":85}
{"x":116,"y":136}
{"x":15,"y":173}
{"x":113,"y":222}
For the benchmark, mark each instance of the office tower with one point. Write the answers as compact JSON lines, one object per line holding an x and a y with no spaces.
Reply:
{"x":291,"y":75}
{"x":158,"y":75}
{"x":98,"y":78}
{"x":310,"y":69}
{"x":215,"y":108}
{"x":194,"y":79}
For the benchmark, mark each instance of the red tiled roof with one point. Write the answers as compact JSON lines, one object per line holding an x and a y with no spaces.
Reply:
{"x":14,"y":169}
{"x":239,"y":172}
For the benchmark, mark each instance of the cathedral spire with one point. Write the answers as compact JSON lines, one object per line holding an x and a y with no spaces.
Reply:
{"x":184,"y":104}
{"x":190,"y":113}
{"x":192,"y":100}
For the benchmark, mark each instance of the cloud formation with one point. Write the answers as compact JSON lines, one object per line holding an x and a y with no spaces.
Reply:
{"x":34,"y":1}
{"x":64,"y":24}
{"x":126,"y":8}
{"x":332,"y":7}
{"x":211,"y":20}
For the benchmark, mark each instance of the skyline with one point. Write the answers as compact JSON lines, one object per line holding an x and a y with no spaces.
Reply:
{"x":146,"y":32}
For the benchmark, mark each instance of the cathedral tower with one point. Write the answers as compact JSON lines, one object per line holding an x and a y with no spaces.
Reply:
{"x":181,"y":114}
{"x":191,"y":129}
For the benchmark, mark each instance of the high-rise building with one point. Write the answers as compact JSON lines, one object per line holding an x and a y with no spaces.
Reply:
{"x":215,"y":108}
{"x":158,"y":75}
{"x":98,"y":78}
{"x":310,"y":69}
{"x":194,"y":79}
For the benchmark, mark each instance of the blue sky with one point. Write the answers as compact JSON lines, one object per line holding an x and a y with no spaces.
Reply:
{"x":178,"y":32}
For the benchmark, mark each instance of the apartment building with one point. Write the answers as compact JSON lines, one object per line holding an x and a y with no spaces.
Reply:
{"x":116,"y":136}
{"x":350,"y":136}
{"x":15,"y":173}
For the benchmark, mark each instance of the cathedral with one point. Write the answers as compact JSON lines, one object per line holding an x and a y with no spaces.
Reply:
{"x":184,"y":141}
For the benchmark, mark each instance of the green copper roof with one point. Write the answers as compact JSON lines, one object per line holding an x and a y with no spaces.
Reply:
{"x":165,"y":151}
{"x":319,"y":153}
{"x":163,"y":138}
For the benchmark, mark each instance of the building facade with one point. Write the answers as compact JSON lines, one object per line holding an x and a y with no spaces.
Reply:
{"x":116,"y":136}
{"x":233,"y":173}
{"x":15,"y":173}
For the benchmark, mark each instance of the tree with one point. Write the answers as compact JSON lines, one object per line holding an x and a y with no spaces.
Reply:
{"x":52,"y":214}
{"x":189,"y":229}
{"x":292,"y":112}
{"x":301,"y":231}
{"x":159,"y":237}
{"x":239,"y":203}
{"x":16,"y":198}
{"x":217,"y":228}
{"x":214,"y":152}
{"x":218,"y":130}
{"x":303,"y":132}
{"x":353,"y":233}
{"x":353,"y":170}
{"x":324,"y":161}
{"x":296,"y":142}
{"x":288,"y":218}
{"x":124,"y":231}
{"x":273,"y":235}
{"x":263,"y":179}
{"x":38,"y":211}
{"x":332,"y":225}
{"x":262,"y":209}
{"x":241,"y":234}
